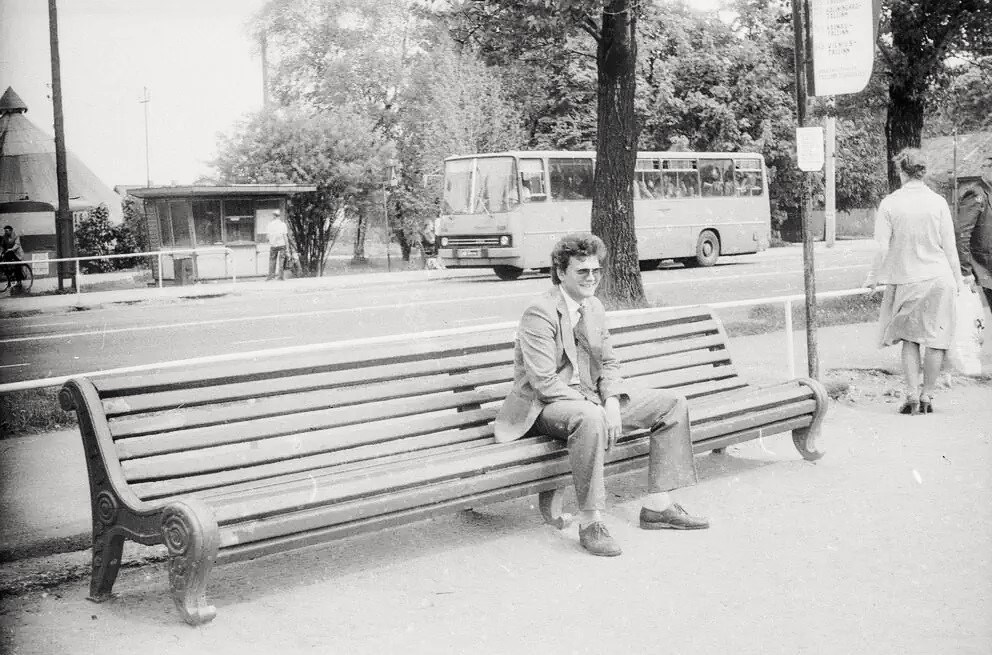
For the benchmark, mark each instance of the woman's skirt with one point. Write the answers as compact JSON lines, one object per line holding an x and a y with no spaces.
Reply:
{"x":922,"y":312}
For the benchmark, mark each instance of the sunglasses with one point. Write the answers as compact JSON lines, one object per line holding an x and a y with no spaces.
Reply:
{"x":586,"y":272}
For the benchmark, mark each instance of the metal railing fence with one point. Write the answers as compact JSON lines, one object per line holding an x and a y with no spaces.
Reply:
{"x":197,"y":252}
{"x":787,"y":301}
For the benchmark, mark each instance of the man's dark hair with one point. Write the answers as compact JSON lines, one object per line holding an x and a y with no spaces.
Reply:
{"x":580,"y":244}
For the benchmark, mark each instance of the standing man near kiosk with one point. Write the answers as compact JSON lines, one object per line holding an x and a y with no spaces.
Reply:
{"x":278,"y":237}
{"x":567,"y":385}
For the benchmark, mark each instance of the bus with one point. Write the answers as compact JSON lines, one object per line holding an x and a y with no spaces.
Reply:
{"x":506,"y":210}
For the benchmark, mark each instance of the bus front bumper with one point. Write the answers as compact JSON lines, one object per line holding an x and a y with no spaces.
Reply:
{"x":478,"y":257}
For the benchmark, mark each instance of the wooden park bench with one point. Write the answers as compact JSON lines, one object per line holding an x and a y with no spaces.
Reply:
{"x":230,"y":462}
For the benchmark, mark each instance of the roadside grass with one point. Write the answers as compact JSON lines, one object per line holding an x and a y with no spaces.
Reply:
{"x":37,"y":410}
{"x":844,"y":310}
{"x":32,"y":411}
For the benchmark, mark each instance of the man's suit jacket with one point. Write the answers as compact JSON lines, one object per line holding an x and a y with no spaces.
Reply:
{"x":545,"y":359}
{"x":973,"y":227}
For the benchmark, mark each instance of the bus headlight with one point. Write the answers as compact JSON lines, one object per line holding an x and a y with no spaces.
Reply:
{"x":504,"y":240}
{"x":444,"y":242}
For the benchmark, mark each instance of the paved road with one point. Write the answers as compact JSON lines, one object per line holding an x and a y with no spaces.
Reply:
{"x":67,"y":342}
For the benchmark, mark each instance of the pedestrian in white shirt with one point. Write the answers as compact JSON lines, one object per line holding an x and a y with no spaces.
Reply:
{"x":278,"y":237}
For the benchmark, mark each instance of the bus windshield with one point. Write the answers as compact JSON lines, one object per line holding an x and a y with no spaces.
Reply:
{"x":492,"y":190}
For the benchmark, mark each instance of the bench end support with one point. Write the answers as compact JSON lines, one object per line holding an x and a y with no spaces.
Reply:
{"x":189,"y":531}
{"x":551,"y":504}
{"x":805,"y":438}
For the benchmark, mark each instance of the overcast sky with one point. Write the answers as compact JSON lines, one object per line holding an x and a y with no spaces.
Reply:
{"x":193,"y":55}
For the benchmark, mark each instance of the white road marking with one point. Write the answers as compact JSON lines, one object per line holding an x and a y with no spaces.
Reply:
{"x":263,"y":340}
{"x":476,"y":318}
{"x":402,"y":305}
{"x":14,"y":365}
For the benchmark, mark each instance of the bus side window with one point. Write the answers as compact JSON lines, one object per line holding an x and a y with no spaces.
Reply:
{"x":571,"y":179}
{"x":748,"y":172}
{"x":532,"y":181}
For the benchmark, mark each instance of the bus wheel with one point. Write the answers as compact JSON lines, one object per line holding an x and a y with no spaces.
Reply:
{"x":707,"y":249}
{"x":507,"y":272}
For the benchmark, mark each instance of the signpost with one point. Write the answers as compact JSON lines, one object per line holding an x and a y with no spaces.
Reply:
{"x":835,"y":48}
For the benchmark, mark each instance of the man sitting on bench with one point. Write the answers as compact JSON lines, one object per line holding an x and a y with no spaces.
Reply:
{"x":567,"y":385}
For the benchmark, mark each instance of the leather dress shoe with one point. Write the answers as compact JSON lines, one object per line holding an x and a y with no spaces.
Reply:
{"x":597,"y":540}
{"x":673,"y":518}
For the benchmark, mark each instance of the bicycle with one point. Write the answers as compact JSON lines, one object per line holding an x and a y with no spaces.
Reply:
{"x":27,"y":275}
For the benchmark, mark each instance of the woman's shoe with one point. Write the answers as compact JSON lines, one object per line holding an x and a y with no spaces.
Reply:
{"x":926,"y":404}
{"x":910,"y":406}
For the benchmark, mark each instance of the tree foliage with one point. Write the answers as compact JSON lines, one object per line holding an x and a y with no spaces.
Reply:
{"x":917,"y":41}
{"x":95,"y":236}
{"x":338,"y":150}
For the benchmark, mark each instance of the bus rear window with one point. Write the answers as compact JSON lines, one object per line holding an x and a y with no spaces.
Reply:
{"x":571,"y":179}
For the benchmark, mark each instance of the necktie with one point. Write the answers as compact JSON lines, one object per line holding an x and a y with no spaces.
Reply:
{"x":586,"y":386}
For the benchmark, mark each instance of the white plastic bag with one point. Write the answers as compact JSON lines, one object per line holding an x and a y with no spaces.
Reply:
{"x":965,"y":353}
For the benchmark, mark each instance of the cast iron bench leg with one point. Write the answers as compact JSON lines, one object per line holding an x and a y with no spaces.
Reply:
{"x":805,"y":438}
{"x":190,"y":533}
{"x":551,"y":503}
{"x":108,"y":546}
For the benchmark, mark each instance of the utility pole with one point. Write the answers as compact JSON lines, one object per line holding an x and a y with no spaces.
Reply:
{"x":64,"y":242}
{"x":145,"y":99}
{"x":800,"y":18}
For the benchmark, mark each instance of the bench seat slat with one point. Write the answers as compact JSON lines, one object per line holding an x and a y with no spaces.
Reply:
{"x":767,"y":430}
{"x":750,"y":399}
{"x":313,"y":361}
{"x":323,"y":490}
{"x":308,"y":401}
{"x":764,"y":417}
{"x":704,"y":390}
{"x":192,"y":397}
{"x":650,"y":319}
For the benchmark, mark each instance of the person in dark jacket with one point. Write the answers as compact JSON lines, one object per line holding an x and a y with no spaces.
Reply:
{"x":11,"y":251}
{"x":973,"y":230}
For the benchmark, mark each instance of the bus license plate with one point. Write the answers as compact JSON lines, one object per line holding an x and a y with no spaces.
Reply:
{"x":470,"y":252}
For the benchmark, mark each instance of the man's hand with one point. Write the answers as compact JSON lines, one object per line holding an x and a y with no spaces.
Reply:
{"x":613,"y":421}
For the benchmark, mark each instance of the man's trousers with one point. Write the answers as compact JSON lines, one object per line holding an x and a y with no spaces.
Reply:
{"x":582,"y":425}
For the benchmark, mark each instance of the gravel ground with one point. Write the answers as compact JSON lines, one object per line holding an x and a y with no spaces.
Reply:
{"x":883,"y":546}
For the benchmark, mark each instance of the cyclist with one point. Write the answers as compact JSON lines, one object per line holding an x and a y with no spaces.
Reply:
{"x":10,"y":247}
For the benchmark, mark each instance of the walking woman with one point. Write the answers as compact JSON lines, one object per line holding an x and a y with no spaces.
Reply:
{"x":917,"y":261}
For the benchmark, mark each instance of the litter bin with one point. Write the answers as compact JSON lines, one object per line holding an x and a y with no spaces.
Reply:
{"x":183,"y":270}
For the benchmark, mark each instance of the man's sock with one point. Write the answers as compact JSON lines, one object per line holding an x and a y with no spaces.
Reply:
{"x":589,"y":516}
{"x":658,"y":502}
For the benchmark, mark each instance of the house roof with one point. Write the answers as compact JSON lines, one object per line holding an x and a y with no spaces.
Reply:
{"x":211,"y":191}
{"x":972,"y":149}
{"x":27,"y":165}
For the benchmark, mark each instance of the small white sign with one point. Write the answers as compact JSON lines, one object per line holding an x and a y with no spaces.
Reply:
{"x":39,"y":263}
{"x":809,"y":148}
{"x":843,"y":40}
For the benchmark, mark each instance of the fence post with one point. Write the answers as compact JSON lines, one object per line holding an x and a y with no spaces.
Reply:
{"x":790,"y":348}
{"x":79,"y":279}
{"x":159,"y":269}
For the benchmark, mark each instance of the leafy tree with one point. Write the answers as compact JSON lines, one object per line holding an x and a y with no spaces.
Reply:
{"x":456,"y":105}
{"x":94,"y":236}
{"x":963,"y":106}
{"x":607,"y":30}
{"x":338,"y":150}
{"x":917,"y":40}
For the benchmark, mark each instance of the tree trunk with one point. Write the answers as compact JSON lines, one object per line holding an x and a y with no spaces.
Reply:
{"x":616,"y":153}
{"x":361,"y":222}
{"x":903,"y":121}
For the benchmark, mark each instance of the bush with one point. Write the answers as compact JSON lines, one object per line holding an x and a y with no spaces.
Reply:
{"x":95,"y":236}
